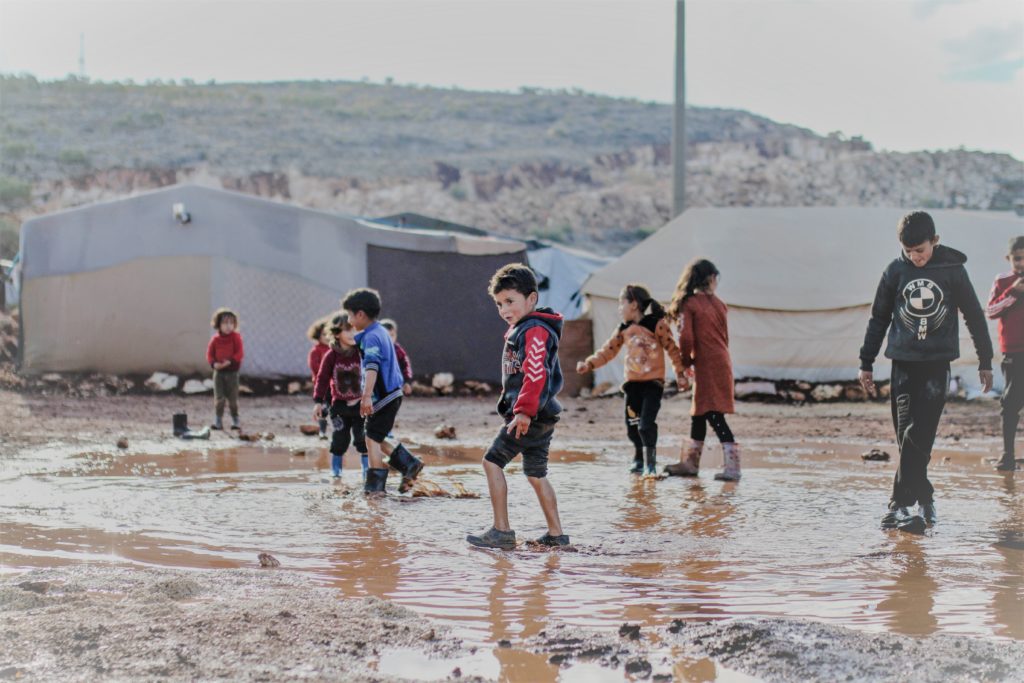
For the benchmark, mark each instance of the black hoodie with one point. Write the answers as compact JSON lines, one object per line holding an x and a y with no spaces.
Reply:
{"x":919,"y":306}
{"x":531,"y":376}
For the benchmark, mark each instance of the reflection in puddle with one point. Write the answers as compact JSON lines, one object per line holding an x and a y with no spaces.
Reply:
{"x":797,"y":537}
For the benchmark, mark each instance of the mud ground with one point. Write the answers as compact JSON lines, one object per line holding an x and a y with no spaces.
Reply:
{"x":98,"y":622}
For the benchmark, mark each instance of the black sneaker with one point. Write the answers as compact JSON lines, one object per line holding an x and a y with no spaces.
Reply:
{"x":927,"y":511}
{"x":492,"y":538}
{"x":553,"y":541}
{"x":1006,"y":464}
{"x":894,"y":518}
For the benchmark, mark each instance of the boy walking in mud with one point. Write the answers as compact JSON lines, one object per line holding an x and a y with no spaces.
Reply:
{"x":382,"y":391}
{"x":531,"y":377}
{"x":918,"y":298}
{"x":1006,"y":304}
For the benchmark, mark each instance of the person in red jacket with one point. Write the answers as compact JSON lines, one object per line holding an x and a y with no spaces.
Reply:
{"x":224,"y":353}
{"x":401,"y":355}
{"x":321,"y":336}
{"x":1006,"y":304}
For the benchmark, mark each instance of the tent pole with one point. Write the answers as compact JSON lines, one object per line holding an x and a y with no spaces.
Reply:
{"x":679,"y":117}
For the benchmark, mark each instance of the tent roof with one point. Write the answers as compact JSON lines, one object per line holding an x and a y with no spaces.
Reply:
{"x":255,"y":231}
{"x":798,"y":259}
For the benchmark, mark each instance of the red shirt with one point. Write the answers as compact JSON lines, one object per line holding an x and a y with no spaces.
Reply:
{"x":316,"y":356}
{"x":342,"y":371}
{"x":1007,"y":307}
{"x":225,"y":347}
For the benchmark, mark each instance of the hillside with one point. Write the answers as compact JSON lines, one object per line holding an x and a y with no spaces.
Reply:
{"x":582,"y":168}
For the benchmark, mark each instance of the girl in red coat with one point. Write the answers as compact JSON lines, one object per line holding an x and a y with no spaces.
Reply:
{"x":321,"y":338}
{"x":704,"y":343}
{"x":224,"y":353}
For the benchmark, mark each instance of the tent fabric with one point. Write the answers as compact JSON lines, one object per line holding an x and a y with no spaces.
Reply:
{"x":123,"y":287}
{"x":799,"y":282}
{"x":562,"y":271}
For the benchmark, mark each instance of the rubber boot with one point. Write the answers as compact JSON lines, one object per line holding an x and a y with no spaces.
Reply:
{"x":180,"y":423}
{"x":408,"y":464}
{"x":376,"y":481}
{"x":218,"y":423}
{"x":689,"y":462}
{"x":638,"y":462}
{"x":365,"y":460}
{"x":234,"y":423}
{"x":336,"y":465}
{"x":731,"y":456}
{"x":651,"y":458}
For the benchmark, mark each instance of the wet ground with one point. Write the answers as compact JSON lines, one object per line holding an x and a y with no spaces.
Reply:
{"x":798,"y":537}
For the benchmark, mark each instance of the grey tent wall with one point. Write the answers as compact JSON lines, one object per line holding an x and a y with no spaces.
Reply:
{"x":446,"y":319}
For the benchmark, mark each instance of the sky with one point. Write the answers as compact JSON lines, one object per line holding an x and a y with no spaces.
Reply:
{"x":904,"y":74}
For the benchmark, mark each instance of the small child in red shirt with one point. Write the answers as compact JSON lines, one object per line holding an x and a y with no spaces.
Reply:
{"x":339,"y":383}
{"x":224,"y":353}
{"x":1006,"y":304}
{"x":321,"y":337}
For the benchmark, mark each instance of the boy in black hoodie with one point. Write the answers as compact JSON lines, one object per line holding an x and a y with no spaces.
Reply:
{"x":917,"y":299}
{"x":530,"y":379}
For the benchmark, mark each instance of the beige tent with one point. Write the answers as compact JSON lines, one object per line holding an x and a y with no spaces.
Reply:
{"x":126,"y":286}
{"x":798,"y":281}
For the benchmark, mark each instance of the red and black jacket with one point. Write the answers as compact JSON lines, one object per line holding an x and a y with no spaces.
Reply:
{"x":226,"y":347}
{"x":1005,"y":306}
{"x":531,"y":376}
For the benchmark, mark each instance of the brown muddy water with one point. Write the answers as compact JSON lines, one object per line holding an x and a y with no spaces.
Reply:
{"x":797,"y":537}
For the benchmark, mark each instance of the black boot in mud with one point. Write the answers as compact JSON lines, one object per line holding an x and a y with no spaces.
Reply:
{"x":407,"y":464}
{"x":493,"y":538}
{"x":1006,"y":464}
{"x":376,"y":481}
{"x":638,"y":463}
{"x":895,"y":517}
{"x":929,"y":514}
{"x":179,"y":423}
{"x":651,"y":462}
{"x":559,"y":541}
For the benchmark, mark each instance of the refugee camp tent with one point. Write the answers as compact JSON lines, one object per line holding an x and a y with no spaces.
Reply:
{"x":129,"y":285}
{"x":561,"y":270}
{"x":799,"y":282}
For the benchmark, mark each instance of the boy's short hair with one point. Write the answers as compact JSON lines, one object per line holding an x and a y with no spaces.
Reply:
{"x":1016,"y":243}
{"x":220,"y":314}
{"x":389,"y":324}
{"x":917,"y":227}
{"x":515,"y":276}
{"x":363,"y":299}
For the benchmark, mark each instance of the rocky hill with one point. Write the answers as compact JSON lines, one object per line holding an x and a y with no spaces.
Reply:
{"x":571,"y":166}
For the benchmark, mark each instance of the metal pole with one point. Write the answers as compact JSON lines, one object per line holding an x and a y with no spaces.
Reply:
{"x":679,"y":118}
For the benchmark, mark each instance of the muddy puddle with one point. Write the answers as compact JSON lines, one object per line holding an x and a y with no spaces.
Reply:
{"x":798,"y":537}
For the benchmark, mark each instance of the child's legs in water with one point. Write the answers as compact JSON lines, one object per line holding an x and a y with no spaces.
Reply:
{"x":699,"y":427}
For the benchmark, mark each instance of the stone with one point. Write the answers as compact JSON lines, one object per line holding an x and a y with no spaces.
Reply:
{"x":161,"y":381}
{"x":195,"y":386}
{"x":309,"y":430}
{"x":122,"y":443}
{"x":827,"y":392}
{"x":444,"y":431}
{"x":294,"y":388}
{"x":52,"y":377}
{"x":268,"y":560}
{"x":443,"y":383}
{"x":744,"y":389}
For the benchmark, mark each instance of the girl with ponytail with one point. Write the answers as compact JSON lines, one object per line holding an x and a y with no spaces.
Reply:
{"x":646,"y":334}
{"x":704,"y":343}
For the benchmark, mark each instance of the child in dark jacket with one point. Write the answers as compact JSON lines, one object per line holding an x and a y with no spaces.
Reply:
{"x":320,"y":334}
{"x":1006,"y":304}
{"x":224,"y":353}
{"x":918,"y":298}
{"x":531,"y":379}
{"x":647,"y":336}
{"x":339,"y":382}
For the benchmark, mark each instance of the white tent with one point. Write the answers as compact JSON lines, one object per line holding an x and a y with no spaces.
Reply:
{"x":562,"y":271}
{"x":125,"y":286}
{"x":799,"y":282}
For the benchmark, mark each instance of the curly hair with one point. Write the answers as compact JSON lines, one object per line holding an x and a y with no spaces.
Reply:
{"x":317,"y":328}
{"x":220,"y":314}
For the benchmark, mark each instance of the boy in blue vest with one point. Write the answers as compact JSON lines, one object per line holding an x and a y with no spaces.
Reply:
{"x":530,"y":379}
{"x":382,"y":391}
{"x":918,"y":299}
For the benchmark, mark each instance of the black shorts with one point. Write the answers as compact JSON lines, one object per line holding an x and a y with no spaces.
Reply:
{"x":380,"y":424}
{"x":533,"y":445}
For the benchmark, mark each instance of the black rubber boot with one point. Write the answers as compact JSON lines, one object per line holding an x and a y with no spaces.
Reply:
{"x":180,"y":423}
{"x":376,"y":481}
{"x":638,"y":463}
{"x":407,"y":464}
{"x":651,"y":458}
